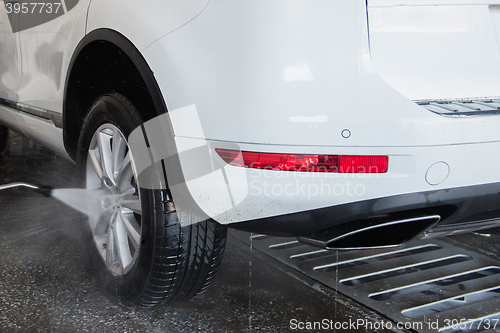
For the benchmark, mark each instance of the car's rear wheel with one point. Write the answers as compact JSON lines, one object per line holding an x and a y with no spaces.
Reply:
{"x":4,"y":137}
{"x":139,"y":249}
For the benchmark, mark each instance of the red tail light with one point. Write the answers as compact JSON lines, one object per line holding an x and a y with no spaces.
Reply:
{"x":306,"y":162}
{"x":363,"y":164}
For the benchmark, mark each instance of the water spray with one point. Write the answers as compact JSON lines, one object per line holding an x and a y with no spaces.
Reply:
{"x":89,"y":202}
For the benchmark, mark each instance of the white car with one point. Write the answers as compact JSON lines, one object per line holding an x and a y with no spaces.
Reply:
{"x":347,"y":124}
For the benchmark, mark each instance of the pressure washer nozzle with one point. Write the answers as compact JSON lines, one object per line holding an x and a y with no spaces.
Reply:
{"x":44,"y":189}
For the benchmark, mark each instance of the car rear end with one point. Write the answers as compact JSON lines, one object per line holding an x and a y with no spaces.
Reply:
{"x":397,"y":101}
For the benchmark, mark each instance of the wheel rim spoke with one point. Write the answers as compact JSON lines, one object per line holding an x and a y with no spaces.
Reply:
{"x":132,"y":228}
{"x":110,"y":249}
{"x":132,"y":202}
{"x":118,"y":152}
{"x":122,"y":245}
{"x":104,"y":144}
{"x":100,"y":225}
{"x":95,"y":163}
{"x":125,"y":174}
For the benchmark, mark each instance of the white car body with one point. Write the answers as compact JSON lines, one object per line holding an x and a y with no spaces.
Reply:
{"x":296,"y":77}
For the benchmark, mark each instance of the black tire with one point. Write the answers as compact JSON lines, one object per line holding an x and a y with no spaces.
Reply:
{"x":4,"y":137}
{"x":173,"y":262}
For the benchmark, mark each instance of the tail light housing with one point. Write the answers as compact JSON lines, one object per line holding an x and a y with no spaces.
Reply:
{"x":306,"y":162}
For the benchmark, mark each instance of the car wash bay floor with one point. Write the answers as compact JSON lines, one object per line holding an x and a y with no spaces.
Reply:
{"x":47,"y":285}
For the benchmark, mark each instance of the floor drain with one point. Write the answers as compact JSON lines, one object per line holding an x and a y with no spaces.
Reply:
{"x":435,"y":285}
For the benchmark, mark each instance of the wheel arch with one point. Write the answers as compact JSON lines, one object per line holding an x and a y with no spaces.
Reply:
{"x":105,"y":61}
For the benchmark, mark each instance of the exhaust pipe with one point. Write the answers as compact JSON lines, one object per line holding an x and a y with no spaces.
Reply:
{"x":367,"y":234}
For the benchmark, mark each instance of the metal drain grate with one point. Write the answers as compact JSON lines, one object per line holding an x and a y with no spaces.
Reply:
{"x":431,"y":285}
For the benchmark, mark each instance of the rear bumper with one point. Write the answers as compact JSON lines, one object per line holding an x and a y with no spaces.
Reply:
{"x":460,"y":183}
{"x":461,"y":209}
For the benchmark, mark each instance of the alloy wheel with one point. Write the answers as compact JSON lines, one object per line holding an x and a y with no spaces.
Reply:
{"x":111,"y":172}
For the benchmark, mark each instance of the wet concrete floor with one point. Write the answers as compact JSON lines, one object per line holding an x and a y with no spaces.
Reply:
{"x":47,"y":285}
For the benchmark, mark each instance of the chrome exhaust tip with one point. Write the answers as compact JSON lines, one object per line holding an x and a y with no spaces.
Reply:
{"x":371,"y":235}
